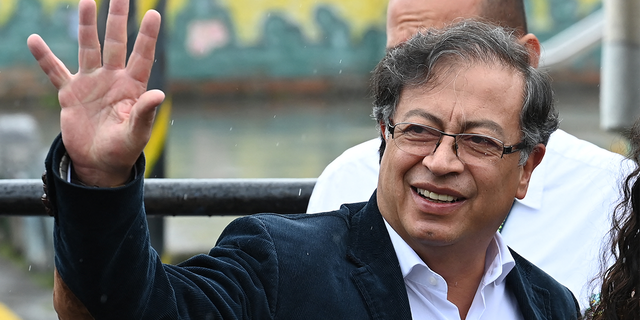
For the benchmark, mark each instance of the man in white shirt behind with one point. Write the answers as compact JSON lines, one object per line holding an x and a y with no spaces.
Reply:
{"x":561,"y":224}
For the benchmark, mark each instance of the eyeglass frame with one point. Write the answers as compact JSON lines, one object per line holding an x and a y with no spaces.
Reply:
{"x":505,"y":149}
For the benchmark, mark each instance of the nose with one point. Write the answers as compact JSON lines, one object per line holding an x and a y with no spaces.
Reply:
{"x":444,"y":159}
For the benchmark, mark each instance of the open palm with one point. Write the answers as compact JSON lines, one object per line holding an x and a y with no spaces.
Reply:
{"x":107,"y":113}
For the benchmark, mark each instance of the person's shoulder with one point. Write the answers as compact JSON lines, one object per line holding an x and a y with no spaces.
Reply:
{"x":366,"y":153}
{"x":302,"y":223}
{"x":539,"y":278}
{"x":287,"y":235}
{"x":564,"y":148}
{"x":538,"y":284}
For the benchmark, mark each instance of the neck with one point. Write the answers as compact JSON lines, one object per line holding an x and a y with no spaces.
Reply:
{"x":463,"y":269}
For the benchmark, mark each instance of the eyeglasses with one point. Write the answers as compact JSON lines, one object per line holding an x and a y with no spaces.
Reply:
{"x":421,"y":140}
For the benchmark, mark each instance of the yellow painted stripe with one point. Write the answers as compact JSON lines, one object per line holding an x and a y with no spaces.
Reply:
{"x":143,"y":6}
{"x":7,"y":10}
{"x":6,"y":314}
{"x":155,"y":147}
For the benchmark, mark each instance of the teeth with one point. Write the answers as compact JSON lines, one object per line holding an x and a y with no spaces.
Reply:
{"x":435,"y":196}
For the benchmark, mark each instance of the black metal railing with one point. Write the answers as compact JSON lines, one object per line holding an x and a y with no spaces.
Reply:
{"x":183,"y":197}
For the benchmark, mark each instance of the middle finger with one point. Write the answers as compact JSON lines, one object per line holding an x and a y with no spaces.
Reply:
{"x":115,"y":39}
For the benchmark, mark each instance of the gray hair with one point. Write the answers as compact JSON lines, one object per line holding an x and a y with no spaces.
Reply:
{"x":430,"y":54}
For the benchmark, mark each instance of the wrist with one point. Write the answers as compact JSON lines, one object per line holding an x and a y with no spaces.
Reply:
{"x":94,"y":178}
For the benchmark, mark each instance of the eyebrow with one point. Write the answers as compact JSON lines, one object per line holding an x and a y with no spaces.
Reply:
{"x":489,"y":124}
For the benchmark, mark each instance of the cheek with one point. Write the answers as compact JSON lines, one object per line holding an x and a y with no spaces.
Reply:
{"x":393,"y":167}
{"x":498,"y":187}
{"x":387,"y":167}
{"x":395,"y":163}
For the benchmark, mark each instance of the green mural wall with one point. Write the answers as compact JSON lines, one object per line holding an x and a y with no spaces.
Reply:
{"x":277,"y":38}
{"x":237,"y":39}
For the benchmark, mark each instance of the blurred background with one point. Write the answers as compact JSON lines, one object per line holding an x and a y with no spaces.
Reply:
{"x":256,"y":89}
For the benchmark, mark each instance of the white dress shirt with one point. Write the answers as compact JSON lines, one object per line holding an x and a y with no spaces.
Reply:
{"x":427,"y":290}
{"x":559,"y":226}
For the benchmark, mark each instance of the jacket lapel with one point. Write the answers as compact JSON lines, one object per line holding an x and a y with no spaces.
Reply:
{"x":534,"y":301}
{"x":378,"y":275}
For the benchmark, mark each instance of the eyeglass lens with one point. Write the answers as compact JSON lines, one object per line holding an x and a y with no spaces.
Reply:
{"x":423,"y":140}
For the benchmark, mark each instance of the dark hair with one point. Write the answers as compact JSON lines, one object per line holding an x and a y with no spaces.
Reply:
{"x":506,"y":13}
{"x":420,"y":60}
{"x":619,"y":296}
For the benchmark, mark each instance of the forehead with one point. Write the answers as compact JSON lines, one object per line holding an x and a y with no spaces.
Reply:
{"x":466,"y":96}
{"x":407,"y":17}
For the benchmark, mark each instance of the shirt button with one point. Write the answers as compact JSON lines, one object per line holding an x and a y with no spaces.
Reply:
{"x":433,"y":281}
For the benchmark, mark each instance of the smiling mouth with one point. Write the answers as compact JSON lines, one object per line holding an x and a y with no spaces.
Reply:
{"x":436,"y":197}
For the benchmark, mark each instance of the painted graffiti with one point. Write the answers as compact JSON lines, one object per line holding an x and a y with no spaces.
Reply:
{"x":361,"y":15}
{"x":272,"y":38}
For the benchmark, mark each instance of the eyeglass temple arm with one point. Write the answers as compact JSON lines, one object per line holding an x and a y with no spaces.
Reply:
{"x":514,"y":148}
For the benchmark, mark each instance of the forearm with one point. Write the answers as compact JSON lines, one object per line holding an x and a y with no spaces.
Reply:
{"x":100,"y":234}
{"x":104,"y":256}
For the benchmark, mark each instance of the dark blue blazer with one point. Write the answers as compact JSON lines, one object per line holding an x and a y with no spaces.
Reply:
{"x":335,"y":265}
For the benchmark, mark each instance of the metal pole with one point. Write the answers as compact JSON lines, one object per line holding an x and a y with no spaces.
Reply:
{"x":620,"y":75}
{"x":182,"y":197}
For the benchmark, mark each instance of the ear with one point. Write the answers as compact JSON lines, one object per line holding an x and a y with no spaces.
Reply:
{"x":527,"y":169}
{"x":383,"y":130}
{"x":531,"y":42}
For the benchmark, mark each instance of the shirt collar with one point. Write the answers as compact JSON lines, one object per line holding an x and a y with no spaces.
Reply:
{"x":498,"y":265}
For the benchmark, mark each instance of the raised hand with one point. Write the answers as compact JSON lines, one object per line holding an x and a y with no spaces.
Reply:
{"x":107,"y":113}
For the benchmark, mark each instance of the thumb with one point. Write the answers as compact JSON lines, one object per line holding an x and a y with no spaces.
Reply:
{"x":143,"y":113}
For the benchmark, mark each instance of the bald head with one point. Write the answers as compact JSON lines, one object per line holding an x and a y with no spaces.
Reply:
{"x":506,"y":13}
{"x":407,"y":17}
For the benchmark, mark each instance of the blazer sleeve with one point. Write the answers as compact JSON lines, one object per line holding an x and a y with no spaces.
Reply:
{"x":104,"y":256}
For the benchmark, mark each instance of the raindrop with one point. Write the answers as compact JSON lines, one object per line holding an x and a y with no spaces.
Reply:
{"x":29,"y":267}
{"x":103,"y":298}
{"x":340,"y":60}
{"x":172,"y":121}
{"x":340,"y":71}
{"x":230,"y":129}
{"x":299,"y":192}
{"x":274,"y":116}
{"x":277,"y":144}
{"x":185,"y":196}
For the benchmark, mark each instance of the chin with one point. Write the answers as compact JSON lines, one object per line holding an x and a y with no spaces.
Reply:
{"x":433,"y":236}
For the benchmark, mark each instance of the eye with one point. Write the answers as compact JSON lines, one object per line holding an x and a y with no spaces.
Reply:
{"x":480,"y":140}
{"x":481,"y":143}
{"x":414,"y":131}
